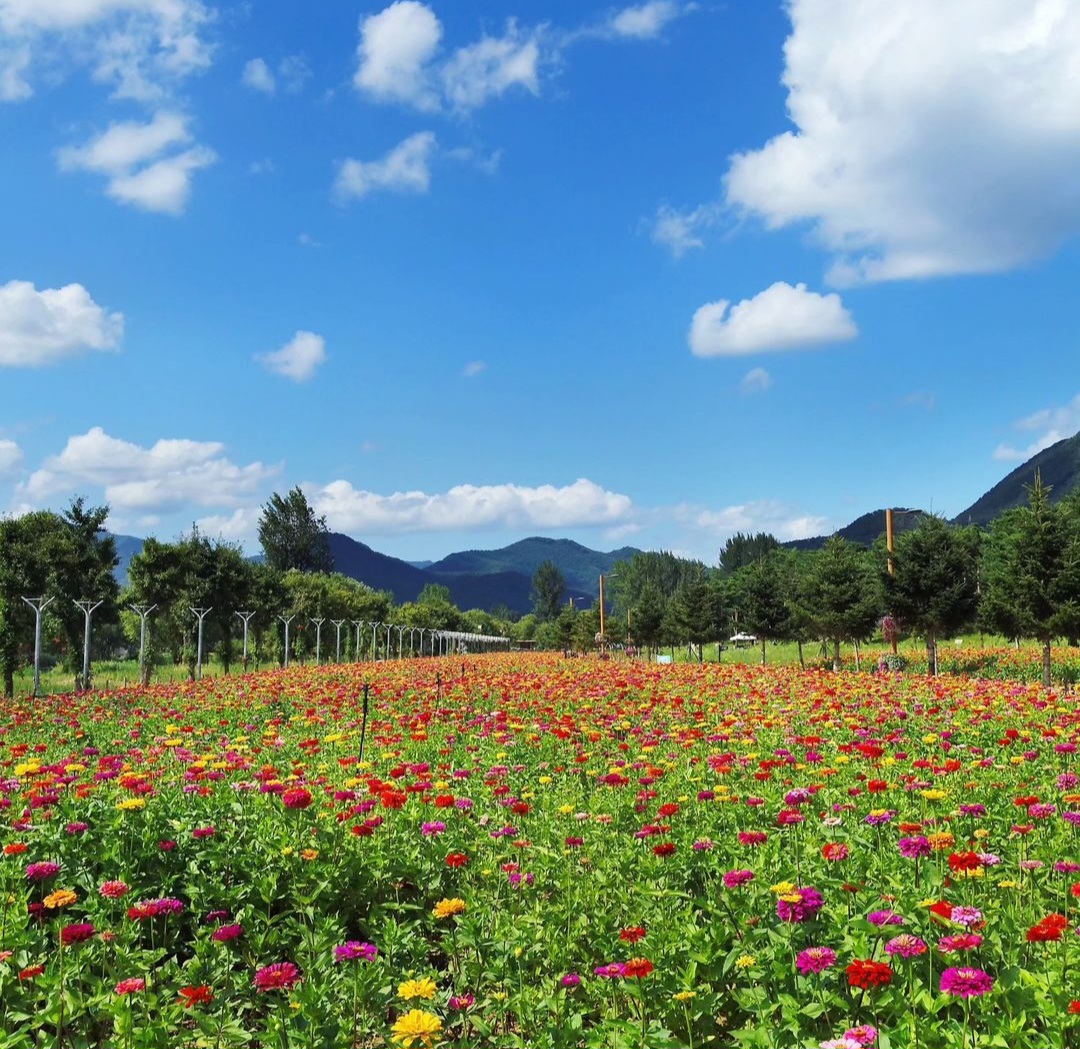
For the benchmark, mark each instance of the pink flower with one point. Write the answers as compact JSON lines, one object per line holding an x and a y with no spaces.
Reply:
{"x":42,"y":871}
{"x":113,"y":890}
{"x":131,"y":986}
{"x":296,"y":798}
{"x":228,"y":932}
{"x":281,"y":976}
{"x":815,"y":960}
{"x":733,"y":879}
{"x":966,"y":982}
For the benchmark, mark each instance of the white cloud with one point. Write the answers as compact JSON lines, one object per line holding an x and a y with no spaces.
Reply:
{"x":398,"y":61}
{"x":129,"y":154}
{"x":10,"y":457}
{"x":241,"y":526}
{"x":777,"y":518}
{"x":141,"y":47}
{"x":757,"y":380}
{"x":468,"y":506}
{"x":644,"y":21}
{"x":262,"y":167}
{"x":42,"y":327}
{"x":168,"y":475}
{"x":491,"y":66}
{"x":678,"y":231}
{"x":1050,"y":426}
{"x":781,"y":317}
{"x":306,"y":240}
{"x":405,"y":169}
{"x":931,"y":137}
{"x":395,"y":48}
{"x":258,"y":77}
{"x":474,"y":368}
{"x":298,"y":359}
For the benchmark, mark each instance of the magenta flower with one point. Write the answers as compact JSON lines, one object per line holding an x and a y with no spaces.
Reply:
{"x":880,"y":918}
{"x":228,"y":932}
{"x":966,"y":982}
{"x":354,"y":951}
{"x":42,"y":871}
{"x":733,"y":879}
{"x":864,"y":1034}
{"x":815,"y":960}
{"x":571,"y":980}
{"x":964,"y":941}
{"x":906,"y":946}
{"x":430,"y":830}
{"x":460,"y":1002}
{"x":130,"y":986}
{"x":806,"y":907}
{"x":914,"y":848}
{"x":281,"y":976}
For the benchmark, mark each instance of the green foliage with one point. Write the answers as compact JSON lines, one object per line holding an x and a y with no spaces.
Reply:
{"x":292,"y":536}
{"x":741,"y":550}
{"x":548,"y":590}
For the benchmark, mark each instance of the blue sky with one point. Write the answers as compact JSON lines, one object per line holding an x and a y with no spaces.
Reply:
{"x":646,"y":273}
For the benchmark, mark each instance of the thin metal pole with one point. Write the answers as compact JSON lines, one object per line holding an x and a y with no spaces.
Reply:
{"x":200,"y":614}
{"x":388,"y":629}
{"x":89,"y":607}
{"x":246,"y":617}
{"x":363,"y":723}
{"x":318,"y":638}
{"x":287,"y":620}
{"x":142,"y":611}
{"x":358,"y":623}
{"x":338,"y":624}
{"x":374,"y":628}
{"x":38,"y":604}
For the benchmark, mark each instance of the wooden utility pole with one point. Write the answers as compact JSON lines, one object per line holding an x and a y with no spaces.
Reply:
{"x":601,"y":608}
{"x":890,"y":535}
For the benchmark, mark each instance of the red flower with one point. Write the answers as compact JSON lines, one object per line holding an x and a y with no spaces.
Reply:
{"x":835,"y":850}
{"x":942,"y":909}
{"x":1074,"y":1006}
{"x":31,"y":971}
{"x":964,"y":861}
{"x":637,"y":968}
{"x":444,"y":801}
{"x":668,"y":809}
{"x":296,"y":798}
{"x":865,"y":974}
{"x":190,"y":996}
{"x":1049,"y":928}
{"x":457,"y":859}
{"x":666,"y":849}
{"x":632,"y":933}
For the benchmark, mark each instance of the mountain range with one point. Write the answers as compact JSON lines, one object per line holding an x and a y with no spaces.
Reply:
{"x":1058,"y":466}
{"x":489,"y":578}
{"x":475,"y":578}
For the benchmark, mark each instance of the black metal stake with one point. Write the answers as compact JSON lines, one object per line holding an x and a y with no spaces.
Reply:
{"x":438,"y":686}
{"x":363,"y":723}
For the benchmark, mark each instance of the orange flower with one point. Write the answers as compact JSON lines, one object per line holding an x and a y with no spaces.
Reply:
{"x":60,"y":898}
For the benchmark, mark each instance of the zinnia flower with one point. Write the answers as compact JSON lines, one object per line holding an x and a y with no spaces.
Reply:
{"x":225,"y":933}
{"x":201,"y":995}
{"x":60,"y":898}
{"x":131,"y":985}
{"x":77,"y":933}
{"x":417,"y":1027}
{"x":42,"y":871}
{"x":637,"y":968}
{"x":906,"y":946}
{"x":965,"y":982}
{"x":449,"y":908}
{"x":815,"y":960}
{"x":800,"y":905}
{"x":355,"y":951}
{"x":410,"y":989}
{"x":281,"y":976}
{"x":113,"y":890}
{"x":296,"y":798}
{"x":865,"y":974}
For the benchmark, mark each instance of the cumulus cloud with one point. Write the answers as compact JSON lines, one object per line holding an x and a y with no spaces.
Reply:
{"x":1049,"y":425}
{"x":398,"y":61}
{"x":396,"y":47}
{"x":298,"y":359}
{"x":258,"y":77}
{"x":644,"y":21}
{"x":781,"y":317}
{"x":241,"y":526}
{"x":930,"y":137}
{"x":468,"y":506}
{"x":474,"y":368}
{"x":10,"y":457}
{"x":757,"y":380}
{"x":405,"y":169}
{"x":42,"y":327}
{"x":484,"y":70}
{"x":766,"y":515}
{"x":679,"y":231}
{"x":148,"y":165}
{"x":168,"y":475}
{"x":141,"y":47}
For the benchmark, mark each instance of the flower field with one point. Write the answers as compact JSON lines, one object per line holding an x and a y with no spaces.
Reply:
{"x":544,"y":853}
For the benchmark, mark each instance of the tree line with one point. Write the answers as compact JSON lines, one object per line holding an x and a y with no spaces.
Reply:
{"x":1021,"y":579}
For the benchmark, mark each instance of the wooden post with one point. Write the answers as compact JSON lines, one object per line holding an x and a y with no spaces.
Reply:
{"x":601,"y":610}
{"x":889,"y":537}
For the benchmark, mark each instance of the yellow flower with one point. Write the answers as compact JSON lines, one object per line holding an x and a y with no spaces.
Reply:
{"x":448,"y":908}
{"x":424,"y":988}
{"x":745,"y":961}
{"x":417,"y":1027}
{"x":1008,"y":884}
{"x":60,"y":898}
{"x":792,"y":897}
{"x":932,"y":795}
{"x":565,"y":810}
{"x":981,"y":833}
{"x":782,"y":888}
{"x":683,"y":996}
{"x":131,"y":804}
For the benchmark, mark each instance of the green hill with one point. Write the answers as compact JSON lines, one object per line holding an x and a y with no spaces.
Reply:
{"x":1059,"y":467}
